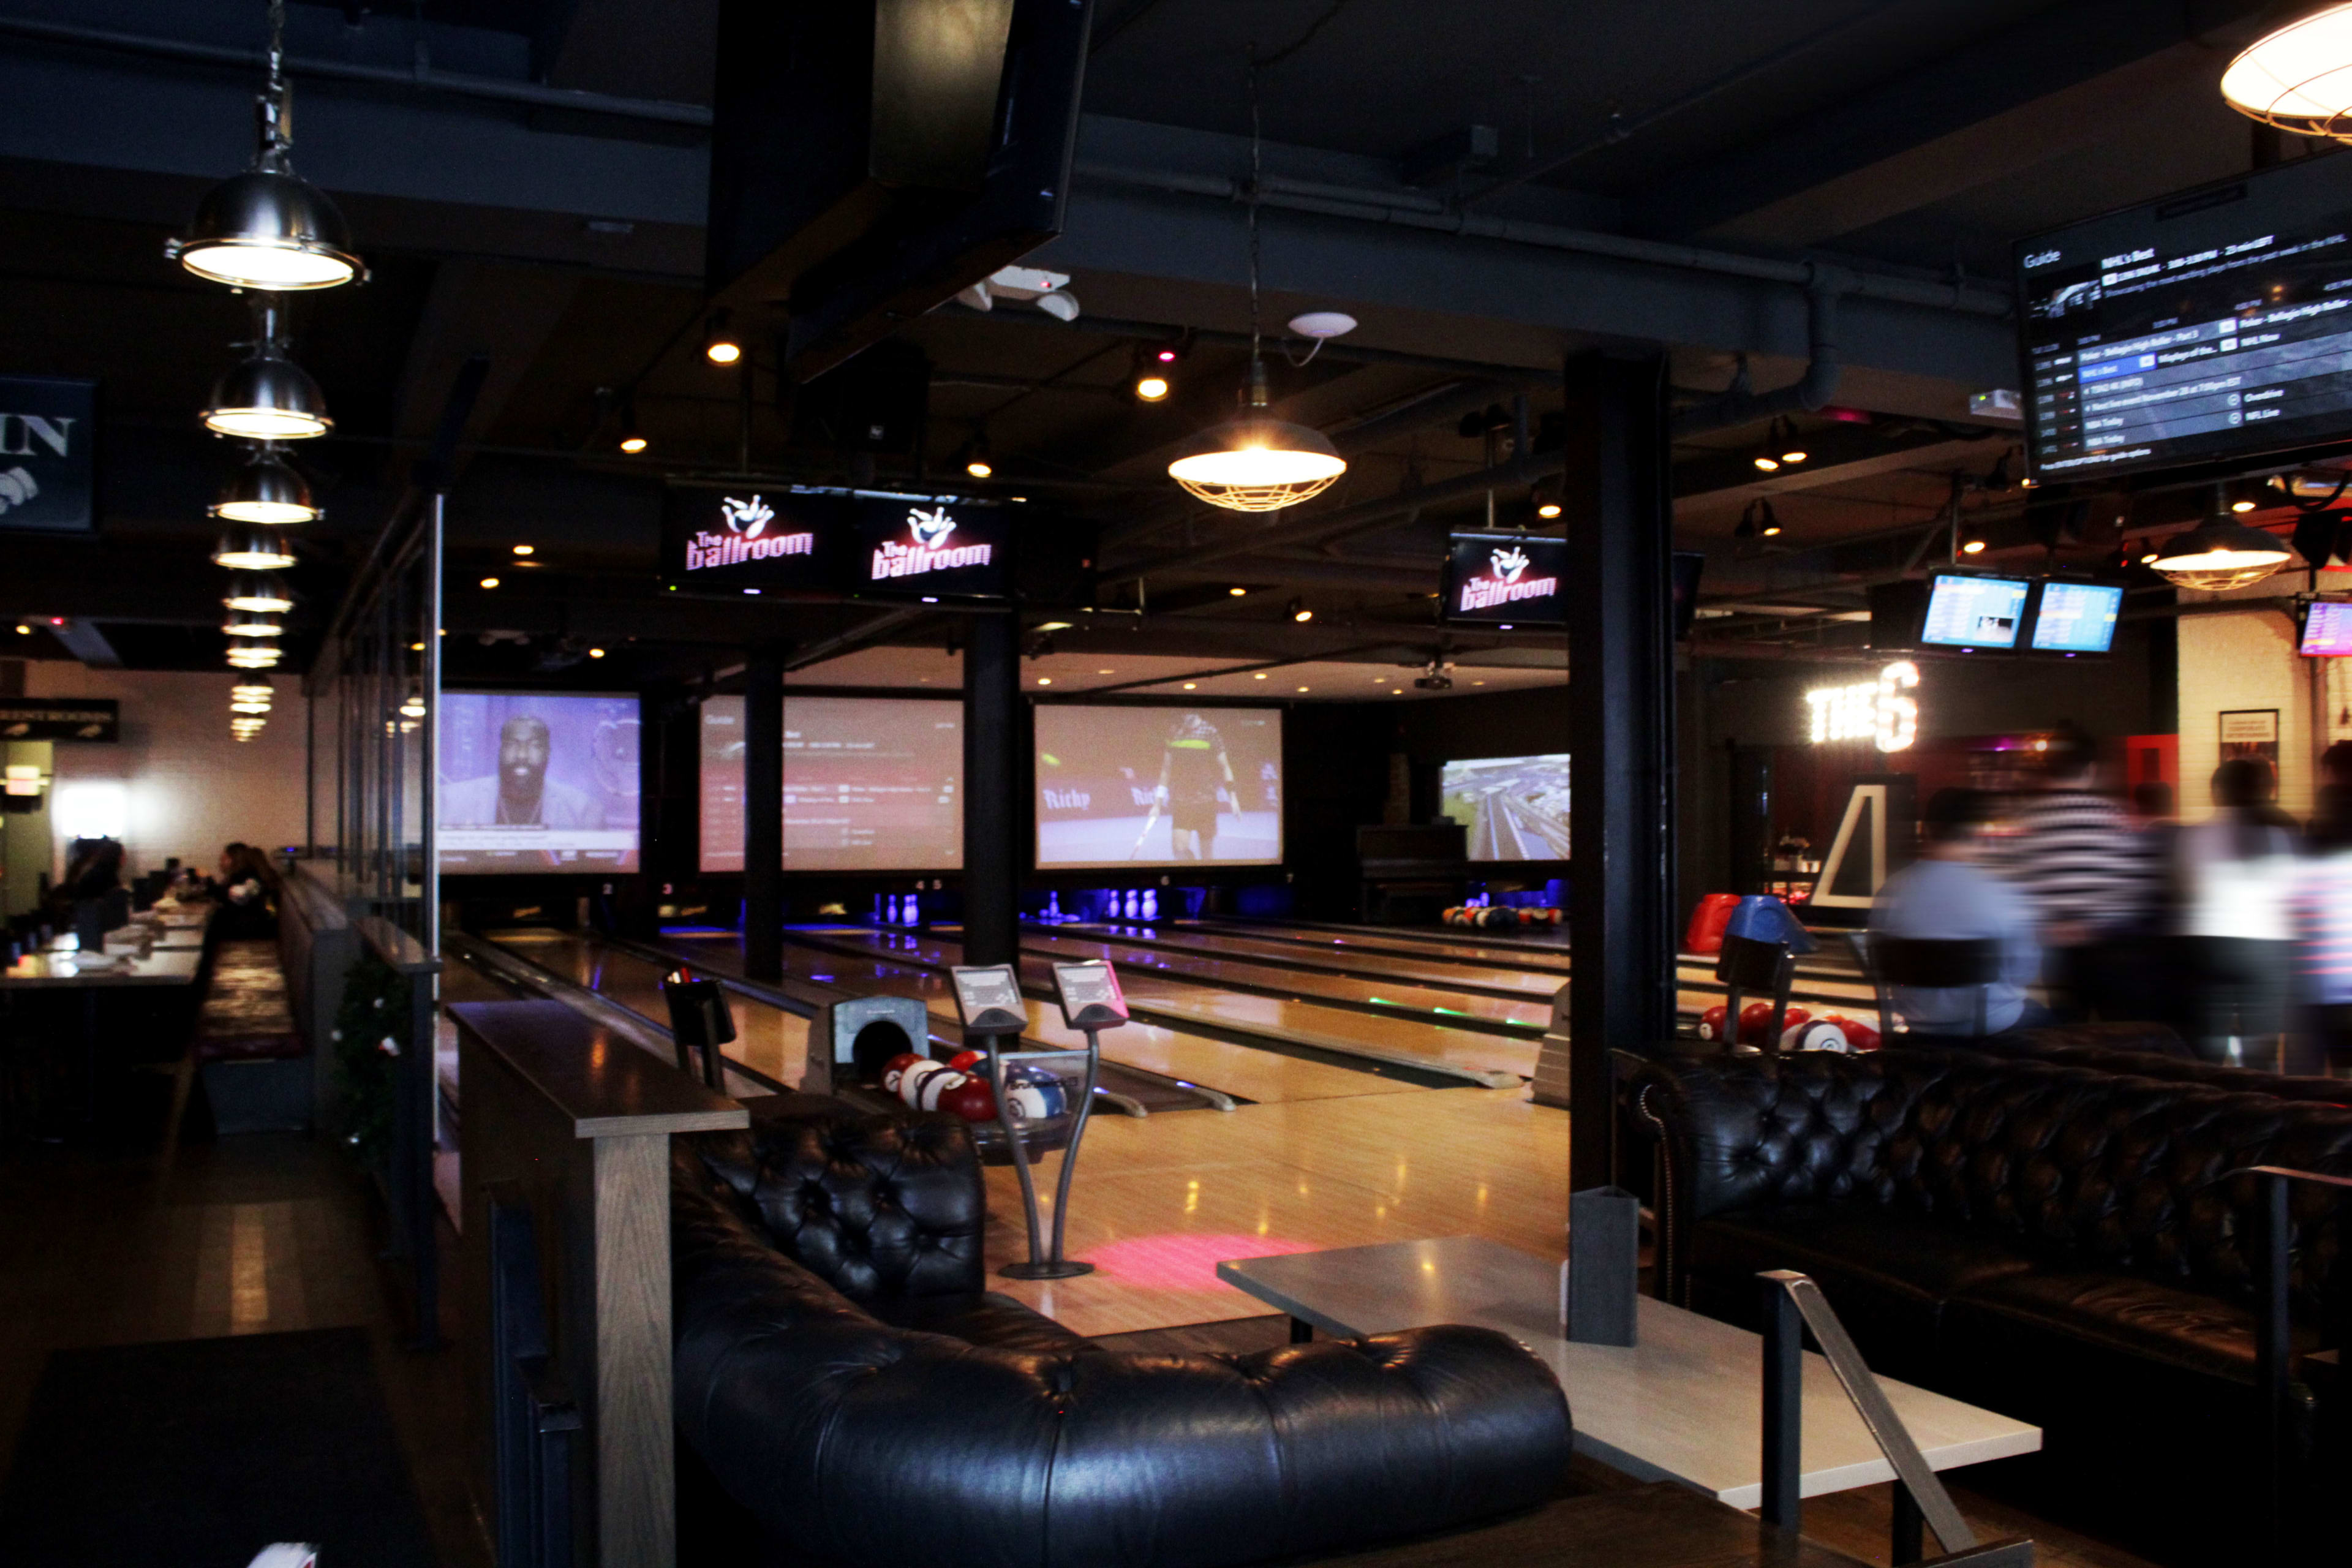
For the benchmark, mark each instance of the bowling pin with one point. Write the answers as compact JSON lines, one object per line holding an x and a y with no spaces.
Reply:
{"x":1151,"y":904}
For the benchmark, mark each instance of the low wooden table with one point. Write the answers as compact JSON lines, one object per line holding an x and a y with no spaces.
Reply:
{"x":1685,"y":1405}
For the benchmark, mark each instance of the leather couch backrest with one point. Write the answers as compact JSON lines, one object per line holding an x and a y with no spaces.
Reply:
{"x":876,"y":1205}
{"x":2075,"y":1164}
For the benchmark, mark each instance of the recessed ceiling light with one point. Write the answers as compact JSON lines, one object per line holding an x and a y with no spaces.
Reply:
{"x":1106,"y":672}
{"x":1238,"y":593}
{"x":1044,"y":680}
{"x":1259,"y":675}
{"x":1189,"y":686}
{"x":489,"y":582}
{"x":1053,"y":626}
{"x":1302,"y":688}
{"x":525,"y":549}
{"x":23,"y":630}
{"x":1477,"y":683}
{"x":595,"y":653}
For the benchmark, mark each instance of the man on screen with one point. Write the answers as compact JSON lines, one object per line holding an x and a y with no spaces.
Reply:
{"x":1190,"y":765}
{"x":520,"y":793}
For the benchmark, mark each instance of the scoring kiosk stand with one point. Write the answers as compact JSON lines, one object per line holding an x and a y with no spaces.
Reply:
{"x":988,"y":996}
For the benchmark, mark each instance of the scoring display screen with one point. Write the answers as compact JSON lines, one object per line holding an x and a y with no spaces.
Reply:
{"x":1974,"y":612}
{"x":2077,"y":617}
{"x":2214,"y":324}
{"x":2328,"y":629}
{"x":871,"y":783}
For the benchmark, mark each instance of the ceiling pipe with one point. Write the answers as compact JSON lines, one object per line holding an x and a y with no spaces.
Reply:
{"x":1809,"y":393}
{"x":1379,"y":206}
{"x":501,"y":90}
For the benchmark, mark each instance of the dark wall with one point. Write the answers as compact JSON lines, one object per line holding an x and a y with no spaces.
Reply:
{"x":1338,"y":769}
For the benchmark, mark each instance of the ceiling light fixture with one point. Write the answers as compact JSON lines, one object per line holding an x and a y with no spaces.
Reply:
{"x":632,"y":440}
{"x":1767,"y":521}
{"x":2219,"y":553}
{"x":1151,"y":387}
{"x":2299,"y":76}
{"x":595,"y":653}
{"x":720,"y":345}
{"x":1257,"y":463}
{"x":489,"y":582}
{"x":265,"y":228}
{"x":1299,"y":612}
{"x":976,"y":461}
{"x":1971,"y":537}
{"x":1238,"y":591}
{"x":526,"y":550}
{"x":1789,"y":449}
{"x":245,"y":623}
{"x":266,"y":489}
{"x":257,"y":595}
{"x":267,"y":396}
{"x":247,"y":548}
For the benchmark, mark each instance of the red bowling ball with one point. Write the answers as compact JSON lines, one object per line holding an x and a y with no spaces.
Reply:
{"x":896,"y":1068}
{"x":972,"y":1100}
{"x":1711,"y":1022}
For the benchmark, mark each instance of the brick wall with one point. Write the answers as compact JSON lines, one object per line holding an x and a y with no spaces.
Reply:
{"x":191,"y":787}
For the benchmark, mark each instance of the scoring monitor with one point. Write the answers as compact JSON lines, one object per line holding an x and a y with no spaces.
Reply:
{"x":1974,"y":612}
{"x":2077,"y":617}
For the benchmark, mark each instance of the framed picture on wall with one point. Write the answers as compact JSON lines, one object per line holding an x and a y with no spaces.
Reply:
{"x":2252,"y":733}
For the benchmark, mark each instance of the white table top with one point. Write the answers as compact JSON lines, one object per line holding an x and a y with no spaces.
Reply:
{"x":165,"y":967}
{"x":1685,"y":1405}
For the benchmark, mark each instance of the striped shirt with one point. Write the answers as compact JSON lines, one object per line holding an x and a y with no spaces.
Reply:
{"x":2078,"y":861}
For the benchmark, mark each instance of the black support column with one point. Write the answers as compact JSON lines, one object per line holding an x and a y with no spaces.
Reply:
{"x":992,"y":789}
{"x":1621,"y":733}
{"x":763,"y":814}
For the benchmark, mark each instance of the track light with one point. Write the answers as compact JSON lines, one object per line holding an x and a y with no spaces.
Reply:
{"x":1238,"y":591}
{"x":720,"y":345}
{"x":1781,"y":440}
{"x":266,"y":489}
{"x":265,"y":228}
{"x":976,"y":461}
{"x":245,"y":548}
{"x":1151,"y":387}
{"x":1767,"y":521}
{"x":1299,"y":612}
{"x":1972,"y":536}
{"x":258,"y":595}
{"x":1547,"y":506}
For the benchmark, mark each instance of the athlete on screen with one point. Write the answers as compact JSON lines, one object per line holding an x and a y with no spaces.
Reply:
{"x":520,"y":793}
{"x":1190,"y":765}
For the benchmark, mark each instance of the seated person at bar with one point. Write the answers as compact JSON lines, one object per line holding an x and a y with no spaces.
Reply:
{"x":520,"y":793}
{"x":1948,"y":896}
{"x":248,"y":894}
{"x":96,"y":900}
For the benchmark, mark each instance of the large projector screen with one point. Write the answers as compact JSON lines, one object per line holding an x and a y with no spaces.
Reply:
{"x":536,"y":781}
{"x":871,"y":783}
{"x":1159,"y":787}
{"x":1515,"y":808}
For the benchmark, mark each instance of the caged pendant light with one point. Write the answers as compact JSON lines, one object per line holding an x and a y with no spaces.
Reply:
{"x":1257,"y":462}
{"x":265,"y":228}
{"x":2298,"y":77}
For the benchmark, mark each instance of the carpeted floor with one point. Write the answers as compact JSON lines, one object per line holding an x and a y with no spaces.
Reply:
{"x":198,"y":1453}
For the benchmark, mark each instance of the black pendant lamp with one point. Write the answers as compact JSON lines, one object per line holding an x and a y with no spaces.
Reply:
{"x":266,"y":490}
{"x":265,"y":228}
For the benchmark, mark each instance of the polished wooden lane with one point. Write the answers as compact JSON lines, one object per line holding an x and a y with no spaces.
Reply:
{"x":1371,"y":964}
{"x":1403,"y":1038}
{"x":1171,"y":1053}
{"x":1531,"y":1013}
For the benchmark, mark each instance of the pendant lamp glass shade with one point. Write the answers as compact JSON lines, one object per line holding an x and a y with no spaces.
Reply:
{"x":267,"y":397}
{"x":242,"y":624}
{"x":245,"y":548}
{"x":266,"y":490}
{"x":2298,"y":77}
{"x":257,"y":595}
{"x":248,"y":705}
{"x":242,"y":658}
{"x":1257,"y":463}
{"x":2219,"y":553}
{"x":255,"y":691}
{"x":266,"y":228}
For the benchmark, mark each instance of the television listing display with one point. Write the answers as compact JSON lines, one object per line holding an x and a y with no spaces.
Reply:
{"x":1969,"y":612}
{"x":871,"y":783}
{"x":774,"y":540}
{"x":2328,"y":629}
{"x":930,"y":547}
{"x":1504,"y":579}
{"x":536,"y":781}
{"x":2076,"y":617}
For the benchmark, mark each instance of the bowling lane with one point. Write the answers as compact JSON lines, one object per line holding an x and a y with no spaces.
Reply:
{"x":1171,"y":1053}
{"x":1403,"y":1038}
{"x":1531,"y":1013}
{"x":767,"y":1040}
{"x":1356,"y":962}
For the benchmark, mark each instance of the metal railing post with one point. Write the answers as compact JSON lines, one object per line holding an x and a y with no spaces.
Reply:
{"x":1784,"y":1401}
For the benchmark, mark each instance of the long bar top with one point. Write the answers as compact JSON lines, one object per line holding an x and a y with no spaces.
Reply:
{"x":607,"y":1085}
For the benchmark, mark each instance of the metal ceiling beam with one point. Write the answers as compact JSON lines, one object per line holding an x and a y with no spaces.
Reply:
{"x":1944,"y":127}
{"x":87,"y":643}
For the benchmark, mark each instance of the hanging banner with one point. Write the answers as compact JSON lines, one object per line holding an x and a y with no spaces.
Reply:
{"x":59,"y":719}
{"x":48,"y":441}
{"x":1505,"y":580}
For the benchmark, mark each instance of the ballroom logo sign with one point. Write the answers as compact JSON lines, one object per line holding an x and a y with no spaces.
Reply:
{"x":49,"y":434}
{"x":1504,"y":579}
{"x":930,"y":547}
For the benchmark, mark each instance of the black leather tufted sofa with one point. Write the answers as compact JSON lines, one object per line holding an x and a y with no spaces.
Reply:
{"x":2051,"y":1241}
{"x":843,"y":1376}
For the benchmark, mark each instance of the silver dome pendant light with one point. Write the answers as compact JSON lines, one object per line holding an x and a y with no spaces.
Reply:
{"x":266,"y":228}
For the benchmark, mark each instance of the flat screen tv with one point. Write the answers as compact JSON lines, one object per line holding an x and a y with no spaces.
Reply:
{"x":1515,"y":808}
{"x":1120,"y":787}
{"x":2328,"y":629}
{"x":1966,"y":611}
{"x":2208,"y":327}
{"x":871,"y":783}
{"x":2074,"y":617}
{"x":536,"y":781}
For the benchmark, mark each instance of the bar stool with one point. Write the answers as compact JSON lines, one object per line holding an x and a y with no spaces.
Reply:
{"x":1747,"y":963}
{"x":1927,"y":964}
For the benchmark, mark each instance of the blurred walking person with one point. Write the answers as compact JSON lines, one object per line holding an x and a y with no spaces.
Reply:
{"x":2238,"y":875}
{"x":2084,"y":868}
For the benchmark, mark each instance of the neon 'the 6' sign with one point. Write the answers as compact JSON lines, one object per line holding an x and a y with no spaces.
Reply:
{"x":1880,"y":710}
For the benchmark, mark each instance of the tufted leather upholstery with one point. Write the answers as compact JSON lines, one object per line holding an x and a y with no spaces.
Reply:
{"x":926,"y":1423}
{"x":2055,"y":1241}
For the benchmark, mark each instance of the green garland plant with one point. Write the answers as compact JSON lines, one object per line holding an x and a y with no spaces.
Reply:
{"x":372,"y":1030}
